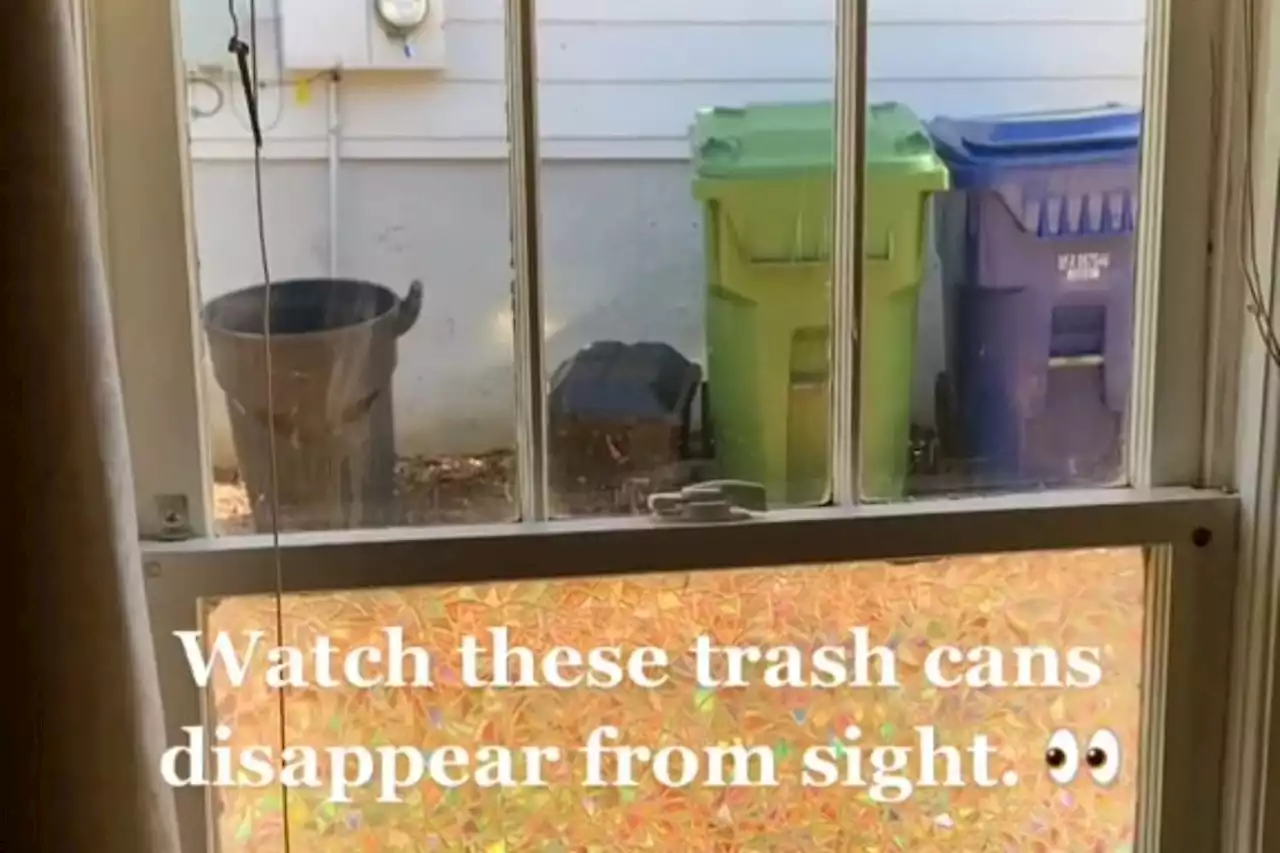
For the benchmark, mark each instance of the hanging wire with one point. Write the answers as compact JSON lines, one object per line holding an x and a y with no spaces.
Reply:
{"x":247,"y":63}
{"x":278,"y":81}
{"x":195,"y":81}
{"x":251,"y":83}
{"x":1259,"y":303}
{"x":260,"y":86}
{"x":216,"y":82}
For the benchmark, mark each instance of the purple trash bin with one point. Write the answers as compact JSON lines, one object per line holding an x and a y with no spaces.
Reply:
{"x":1037,"y":251}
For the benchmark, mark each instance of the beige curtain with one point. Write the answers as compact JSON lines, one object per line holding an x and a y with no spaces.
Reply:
{"x":81,"y":694}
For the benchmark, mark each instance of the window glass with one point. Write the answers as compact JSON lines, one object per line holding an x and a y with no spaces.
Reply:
{"x":1020,"y":672}
{"x":998,"y":278}
{"x":688,"y":169}
{"x":387,"y":397}
{"x":687,"y":172}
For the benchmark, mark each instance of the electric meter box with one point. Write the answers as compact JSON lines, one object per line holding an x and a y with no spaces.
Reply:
{"x":362,"y":35}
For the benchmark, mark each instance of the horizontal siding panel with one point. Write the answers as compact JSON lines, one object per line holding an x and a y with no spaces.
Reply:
{"x":710,"y":12}
{"x":783,"y":52}
{"x":626,"y":86}
{"x":807,"y":11}
{"x":476,"y":112}
{"x":658,"y":52}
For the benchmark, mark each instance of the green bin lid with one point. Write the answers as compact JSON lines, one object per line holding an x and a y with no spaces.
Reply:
{"x":786,"y":140}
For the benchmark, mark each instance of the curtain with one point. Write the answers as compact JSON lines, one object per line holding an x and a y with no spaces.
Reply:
{"x":82,"y":703}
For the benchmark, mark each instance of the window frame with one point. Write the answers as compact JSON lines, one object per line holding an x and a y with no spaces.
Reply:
{"x":1191,"y":586}
{"x":143,"y":176}
{"x":152,"y":266}
{"x":1204,"y":403}
{"x":1248,"y":448}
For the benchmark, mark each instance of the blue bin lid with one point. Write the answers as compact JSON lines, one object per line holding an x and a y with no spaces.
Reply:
{"x":977,"y":149}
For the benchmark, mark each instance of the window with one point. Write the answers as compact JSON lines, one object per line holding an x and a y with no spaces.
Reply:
{"x":676,"y":272}
{"x":535,"y":267}
{"x":1157,"y":614}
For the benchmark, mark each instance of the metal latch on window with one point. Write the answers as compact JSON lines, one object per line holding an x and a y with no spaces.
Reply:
{"x":715,"y":500}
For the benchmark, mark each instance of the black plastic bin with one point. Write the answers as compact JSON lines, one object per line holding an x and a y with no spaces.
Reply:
{"x":619,"y":417}
{"x":333,"y":352}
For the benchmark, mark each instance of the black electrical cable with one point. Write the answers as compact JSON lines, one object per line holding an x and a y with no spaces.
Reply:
{"x":1259,"y":306}
{"x":248,"y":80}
{"x":219,"y":99}
{"x":247,"y":63}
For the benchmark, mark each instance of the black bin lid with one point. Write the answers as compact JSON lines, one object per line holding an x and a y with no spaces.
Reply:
{"x":612,"y":381}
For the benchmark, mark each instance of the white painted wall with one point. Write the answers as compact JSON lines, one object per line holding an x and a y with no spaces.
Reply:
{"x":423,"y":176}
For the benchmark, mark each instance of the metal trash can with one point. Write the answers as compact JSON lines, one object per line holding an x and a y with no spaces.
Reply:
{"x":332,"y":356}
{"x":1038,"y":260}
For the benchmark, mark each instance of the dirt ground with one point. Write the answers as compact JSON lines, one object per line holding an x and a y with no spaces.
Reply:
{"x":479,"y":489}
{"x":430,"y":490}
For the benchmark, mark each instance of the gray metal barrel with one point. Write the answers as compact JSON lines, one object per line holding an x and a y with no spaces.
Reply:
{"x":333,"y":353}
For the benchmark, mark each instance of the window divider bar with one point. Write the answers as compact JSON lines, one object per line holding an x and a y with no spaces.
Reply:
{"x":1154,"y":695}
{"x":1146,"y":272}
{"x":846,"y":290}
{"x":1173,"y":264}
{"x":1226,"y":307}
{"x":527,"y":313}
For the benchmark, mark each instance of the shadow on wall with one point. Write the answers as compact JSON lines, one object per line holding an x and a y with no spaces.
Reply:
{"x":622,"y":260}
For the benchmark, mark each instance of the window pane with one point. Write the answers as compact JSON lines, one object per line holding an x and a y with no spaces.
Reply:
{"x":1038,"y":653}
{"x":686,"y":214}
{"x":999,"y":271}
{"x":392,"y":172}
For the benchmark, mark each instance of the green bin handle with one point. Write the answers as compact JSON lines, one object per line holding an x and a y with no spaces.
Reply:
{"x":877,"y":261}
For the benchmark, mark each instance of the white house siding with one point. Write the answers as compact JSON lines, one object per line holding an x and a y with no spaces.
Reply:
{"x":423,"y":190}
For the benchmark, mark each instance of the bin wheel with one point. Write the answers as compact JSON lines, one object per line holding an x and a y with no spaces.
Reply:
{"x":946,"y":416}
{"x":708,"y":440}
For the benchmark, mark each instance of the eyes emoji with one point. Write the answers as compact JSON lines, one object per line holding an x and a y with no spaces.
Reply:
{"x":1101,"y":756}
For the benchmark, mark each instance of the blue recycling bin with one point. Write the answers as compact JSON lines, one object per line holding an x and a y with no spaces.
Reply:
{"x":1036,"y":244}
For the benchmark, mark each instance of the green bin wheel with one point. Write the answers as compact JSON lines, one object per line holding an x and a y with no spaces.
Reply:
{"x":708,"y":442}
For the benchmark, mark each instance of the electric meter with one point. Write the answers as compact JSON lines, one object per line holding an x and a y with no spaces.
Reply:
{"x":402,"y":16}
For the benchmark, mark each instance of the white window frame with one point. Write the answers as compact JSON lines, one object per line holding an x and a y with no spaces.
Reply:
{"x":1204,"y":415}
{"x":144,"y":173}
{"x":1245,"y":450}
{"x":1190,"y":590}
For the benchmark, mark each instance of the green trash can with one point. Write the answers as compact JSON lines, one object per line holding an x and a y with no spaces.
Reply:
{"x":765,"y":175}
